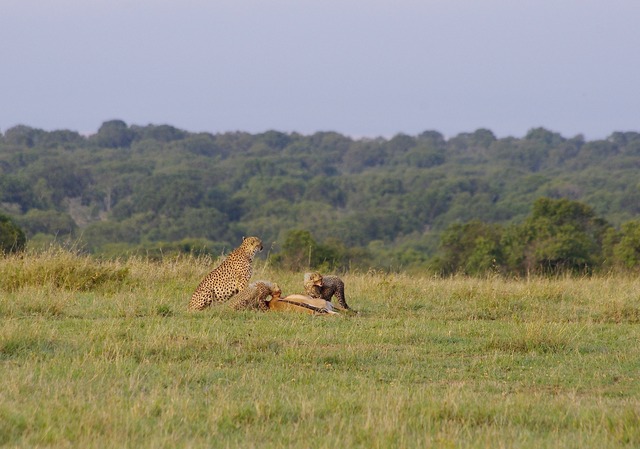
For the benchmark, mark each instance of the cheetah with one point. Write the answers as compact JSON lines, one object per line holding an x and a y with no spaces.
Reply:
{"x":229,"y":278}
{"x":254,"y":297}
{"x":302,"y":304}
{"x":325,"y":287}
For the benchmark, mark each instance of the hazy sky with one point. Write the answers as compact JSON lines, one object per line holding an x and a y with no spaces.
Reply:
{"x":359,"y":67}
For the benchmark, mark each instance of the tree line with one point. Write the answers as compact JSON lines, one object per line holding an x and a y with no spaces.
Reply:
{"x":559,"y":236}
{"x":409,"y":201}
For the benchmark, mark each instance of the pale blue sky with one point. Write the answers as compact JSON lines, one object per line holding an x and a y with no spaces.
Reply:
{"x":359,"y":67}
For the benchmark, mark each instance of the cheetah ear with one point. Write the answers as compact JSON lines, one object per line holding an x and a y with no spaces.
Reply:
{"x":243,"y":238}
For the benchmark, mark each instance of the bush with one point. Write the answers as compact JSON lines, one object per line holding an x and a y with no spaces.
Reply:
{"x":12,"y":238}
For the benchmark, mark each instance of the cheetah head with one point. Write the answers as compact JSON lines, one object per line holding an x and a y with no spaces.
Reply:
{"x":251,"y":245}
{"x":275,"y":291}
{"x":313,"y":278}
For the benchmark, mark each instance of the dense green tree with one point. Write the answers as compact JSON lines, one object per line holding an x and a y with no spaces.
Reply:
{"x":399,"y":144}
{"x":483,"y":137}
{"x":274,"y":139}
{"x":21,"y":135}
{"x":18,"y":190}
{"x":114,"y":134}
{"x":599,"y":149}
{"x":623,"y":248}
{"x":559,"y":235}
{"x":427,"y":204}
{"x":425,"y":156}
{"x":12,"y":238}
{"x":329,"y":142}
{"x":471,"y":147}
{"x":48,"y":222}
{"x":160,"y":133}
{"x":201,"y":144}
{"x":332,"y":254}
{"x":433,"y":138}
{"x":364,"y":154}
{"x":325,"y":190}
{"x":470,"y":248}
{"x":61,"y":178}
{"x":545,"y":137}
{"x":565,"y":152}
{"x":224,"y":200}
{"x":61,"y":138}
{"x":298,"y":250}
{"x":198,"y":223}
{"x":168,"y":194}
{"x":97,"y":235}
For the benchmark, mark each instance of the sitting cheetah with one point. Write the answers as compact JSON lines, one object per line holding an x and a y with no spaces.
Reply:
{"x":302,"y":304}
{"x":319,"y":286}
{"x":254,"y":297}
{"x":229,"y":278}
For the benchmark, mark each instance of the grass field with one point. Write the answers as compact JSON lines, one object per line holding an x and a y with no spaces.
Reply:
{"x":104,"y":355}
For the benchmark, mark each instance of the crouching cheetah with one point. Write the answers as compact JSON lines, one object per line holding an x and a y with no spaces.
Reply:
{"x":254,"y":297}
{"x":325,"y":287}
{"x":302,"y":304}
{"x":229,"y":278}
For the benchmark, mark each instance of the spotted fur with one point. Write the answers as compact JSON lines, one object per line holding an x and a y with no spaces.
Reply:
{"x":254,"y":297}
{"x":325,"y":287}
{"x":229,"y":278}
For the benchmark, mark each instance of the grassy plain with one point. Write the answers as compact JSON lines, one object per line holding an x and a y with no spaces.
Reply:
{"x":103,"y":354}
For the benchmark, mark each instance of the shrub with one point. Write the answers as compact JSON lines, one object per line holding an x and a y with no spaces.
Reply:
{"x":12,"y":238}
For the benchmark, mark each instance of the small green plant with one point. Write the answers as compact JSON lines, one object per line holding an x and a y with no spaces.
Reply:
{"x":164,"y":310}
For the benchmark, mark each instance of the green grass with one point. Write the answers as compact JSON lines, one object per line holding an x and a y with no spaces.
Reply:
{"x":119,"y":362}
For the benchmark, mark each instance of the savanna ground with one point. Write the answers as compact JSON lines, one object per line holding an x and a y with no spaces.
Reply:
{"x":103,"y":354}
